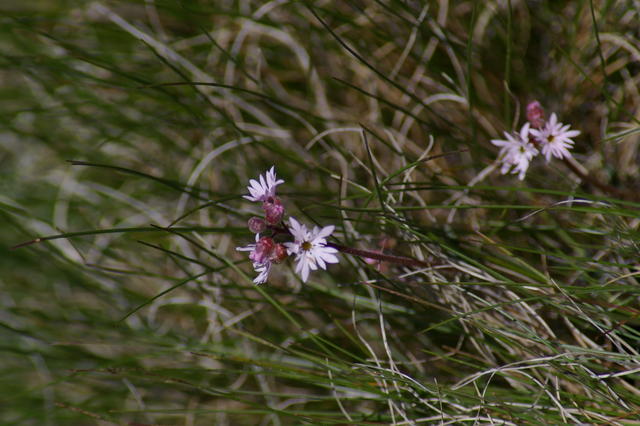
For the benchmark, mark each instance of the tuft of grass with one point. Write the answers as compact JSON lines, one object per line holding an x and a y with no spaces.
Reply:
{"x":129,"y":131}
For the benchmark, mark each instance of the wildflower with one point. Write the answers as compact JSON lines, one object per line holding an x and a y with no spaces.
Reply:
{"x":265,"y":188}
{"x":310,"y":248}
{"x":555,"y":138}
{"x":516,"y":152}
{"x":261,"y":253}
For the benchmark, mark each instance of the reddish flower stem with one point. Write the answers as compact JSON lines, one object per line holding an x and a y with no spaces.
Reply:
{"x":612,"y":190}
{"x":369,"y":254}
{"x":608,"y":189}
{"x":400,"y":260}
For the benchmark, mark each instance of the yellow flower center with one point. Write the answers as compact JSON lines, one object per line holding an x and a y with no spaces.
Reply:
{"x":306,"y":246}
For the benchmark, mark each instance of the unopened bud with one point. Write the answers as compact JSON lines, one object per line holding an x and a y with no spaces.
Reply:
{"x":257,"y":225}
{"x":535,"y":115}
{"x":263,"y":251}
{"x":279,"y":253}
{"x":273,"y":210}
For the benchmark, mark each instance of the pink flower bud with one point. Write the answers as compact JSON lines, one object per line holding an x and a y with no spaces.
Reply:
{"x":264,"y":249}
{"x":279,"y":253}
{"x":257,"y":225}
{"x":273,"y":210}
{"x":535,"y":115}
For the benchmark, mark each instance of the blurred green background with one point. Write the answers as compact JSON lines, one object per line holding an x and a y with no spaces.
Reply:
{"x":131,"y":128}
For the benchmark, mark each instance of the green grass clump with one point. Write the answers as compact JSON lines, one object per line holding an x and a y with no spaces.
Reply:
{"x":129,"y":131}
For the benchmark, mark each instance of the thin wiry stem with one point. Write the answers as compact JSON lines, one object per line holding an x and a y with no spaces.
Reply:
{"x":611,"y":190}
{"x":367,"y":254}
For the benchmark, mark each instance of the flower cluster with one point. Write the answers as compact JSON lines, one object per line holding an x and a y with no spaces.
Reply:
{"x":537,"y":136}
{"x":309,"y":247}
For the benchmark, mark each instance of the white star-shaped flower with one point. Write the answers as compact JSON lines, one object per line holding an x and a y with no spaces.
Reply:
{"x":516,"y":152}
{"x":555,"y":138}
{"x":264,"y":188}
{"x":310,"y":248}
{"x":260,"y":260}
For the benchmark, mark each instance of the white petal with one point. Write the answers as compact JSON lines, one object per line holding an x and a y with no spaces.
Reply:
{"x":292,"y":248}
{"x":500,"y":142}
{"x":311,"y":261}
{"x":330,"y":258}
{"x":294,"y":223}
{"x":325,"y":232}
{"x":255,"y":186}
{"x":298,"y":230}
{"x":305,"y":272}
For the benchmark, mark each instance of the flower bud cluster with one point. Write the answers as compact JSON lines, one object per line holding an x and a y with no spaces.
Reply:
{"x":309,"y":247}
